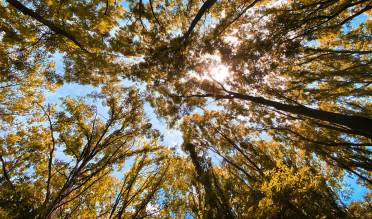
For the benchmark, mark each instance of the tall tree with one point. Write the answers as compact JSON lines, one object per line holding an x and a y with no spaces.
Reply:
{"x":281,"y":75}
{"x":289,"y":83}
{"x":260,"y":177}
{"x":80,"y":150}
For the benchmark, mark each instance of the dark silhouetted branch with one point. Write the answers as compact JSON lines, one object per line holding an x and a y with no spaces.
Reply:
{"x":26,"y":11}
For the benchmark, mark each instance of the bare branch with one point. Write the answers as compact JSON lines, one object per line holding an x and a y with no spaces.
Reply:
{"x":154,"y":15}
{"x":207,"y":5}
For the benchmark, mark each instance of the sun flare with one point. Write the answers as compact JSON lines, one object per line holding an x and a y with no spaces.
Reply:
{"x":219,"y":72}
{"x":215,"y":71}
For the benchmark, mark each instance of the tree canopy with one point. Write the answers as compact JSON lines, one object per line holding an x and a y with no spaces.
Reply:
{"x":272,"y":99}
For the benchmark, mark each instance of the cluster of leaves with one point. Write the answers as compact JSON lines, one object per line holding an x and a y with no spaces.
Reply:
{"x":274,"y":139}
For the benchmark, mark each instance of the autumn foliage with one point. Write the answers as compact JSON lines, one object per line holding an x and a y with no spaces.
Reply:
{"x":272,"y":100}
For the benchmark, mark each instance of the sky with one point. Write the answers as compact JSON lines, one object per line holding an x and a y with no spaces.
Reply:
{"x":173,"y":137}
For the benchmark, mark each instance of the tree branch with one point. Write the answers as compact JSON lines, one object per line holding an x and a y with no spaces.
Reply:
{"x":207,"y":5}
{"x":5,"y":172}
{"x":358,"y":125}
{"x":26,"y":11}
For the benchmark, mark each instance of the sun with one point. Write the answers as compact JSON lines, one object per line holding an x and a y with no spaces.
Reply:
{"x":219,"y":72}
{"x":215,"y":69}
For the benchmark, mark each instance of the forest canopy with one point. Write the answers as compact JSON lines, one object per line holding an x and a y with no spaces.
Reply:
{"x":272,"y":100}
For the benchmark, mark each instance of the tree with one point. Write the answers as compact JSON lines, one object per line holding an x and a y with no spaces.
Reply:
{"x":80,"y":31}
{"x":260,"y":177}
{"x":272,"y":99}
{"x":277,"y":68}
{"x":72,"y":167}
